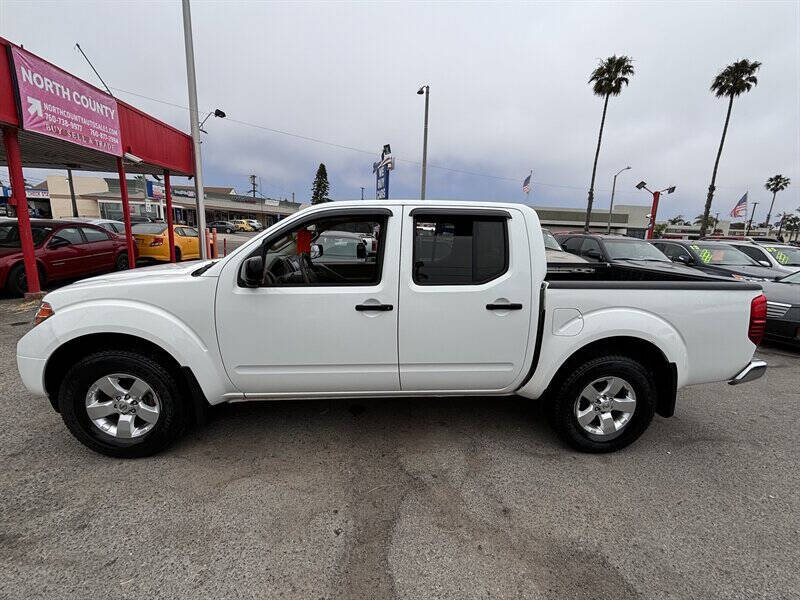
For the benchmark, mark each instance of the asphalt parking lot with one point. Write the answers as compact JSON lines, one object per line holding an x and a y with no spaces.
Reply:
{"x":452,"y":498}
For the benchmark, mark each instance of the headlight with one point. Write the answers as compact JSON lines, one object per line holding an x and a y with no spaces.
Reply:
{"x":45,"y":312}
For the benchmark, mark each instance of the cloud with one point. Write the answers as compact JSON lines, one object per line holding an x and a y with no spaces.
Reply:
{"x":508,"y":92}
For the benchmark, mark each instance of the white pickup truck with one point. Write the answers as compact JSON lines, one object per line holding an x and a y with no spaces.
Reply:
{"x":455,"y":301}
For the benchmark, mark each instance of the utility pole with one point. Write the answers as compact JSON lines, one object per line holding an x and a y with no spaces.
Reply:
{"x":194,"y":118}
{"x":72,"y":192}
{"x":752,"y":214}
{"x":716,"y":221}
{"x":253,"y":183}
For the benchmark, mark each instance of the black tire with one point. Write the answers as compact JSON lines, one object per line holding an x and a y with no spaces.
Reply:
{"x":121,"y":263}
{"x":17,"y":281}
{"x":72,"y":403}
{"x":562,"y":404}
{"x":177,"y":254}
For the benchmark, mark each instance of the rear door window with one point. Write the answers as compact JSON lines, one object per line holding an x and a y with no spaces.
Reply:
{"x":94,"y":235}
{"x":459,"y":249}
{"x":71,"y":234}
{"x":754,"y":253}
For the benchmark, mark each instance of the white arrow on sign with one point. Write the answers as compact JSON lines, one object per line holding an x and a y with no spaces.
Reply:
{"x":34,"y":106}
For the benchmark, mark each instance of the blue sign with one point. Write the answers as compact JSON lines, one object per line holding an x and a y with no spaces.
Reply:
{"x":381,"y":170}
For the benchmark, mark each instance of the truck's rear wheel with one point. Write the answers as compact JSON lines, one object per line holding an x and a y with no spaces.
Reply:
{"x":604,"y":405}
{"x":121,"y":404}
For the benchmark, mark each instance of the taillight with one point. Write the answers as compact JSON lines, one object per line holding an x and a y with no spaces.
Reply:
{"x":45,"y":312}
{"x":758,"y":319}
{"x":374,"y":245}
{"x":157,"y":241}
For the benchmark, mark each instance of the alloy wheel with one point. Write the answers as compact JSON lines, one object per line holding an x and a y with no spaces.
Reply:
{"x":605,"y":407}
{"x":123,"y":406}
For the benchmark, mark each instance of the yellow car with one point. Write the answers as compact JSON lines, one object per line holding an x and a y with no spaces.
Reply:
{"x":153,"y":242}
{"x":243,"y":225}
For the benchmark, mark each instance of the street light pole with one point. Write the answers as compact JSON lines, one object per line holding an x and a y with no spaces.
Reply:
{"x":642,"y":185}
{"x":194,"y":118}
{"x":613,"y":189}
{"x":425,"y":89}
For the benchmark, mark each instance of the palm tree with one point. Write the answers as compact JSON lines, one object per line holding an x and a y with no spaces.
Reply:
{"x":608,"y":78}
{"x":677,"y":220}
{"x":732,"y":81}
{"x":776,"y":183}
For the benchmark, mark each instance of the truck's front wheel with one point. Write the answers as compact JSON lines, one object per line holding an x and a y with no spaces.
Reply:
{"x":604,"y":405}
{"x":121,"y":404}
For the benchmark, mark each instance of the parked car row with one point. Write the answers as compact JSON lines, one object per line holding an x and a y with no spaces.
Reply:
{"x":775,"y":265}
{"x":235,"y":225}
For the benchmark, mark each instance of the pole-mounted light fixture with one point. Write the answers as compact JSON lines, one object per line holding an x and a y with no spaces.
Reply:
{"x":220,"y":114}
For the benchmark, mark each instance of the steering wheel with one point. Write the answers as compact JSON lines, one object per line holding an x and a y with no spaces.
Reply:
{"x":336,"y":276}
{"x":307,"y":268}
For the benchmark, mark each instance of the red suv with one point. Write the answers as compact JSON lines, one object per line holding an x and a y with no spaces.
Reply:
{"x":63,"y":250}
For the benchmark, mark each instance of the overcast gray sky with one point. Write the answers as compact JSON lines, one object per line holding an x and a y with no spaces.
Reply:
{"x":508,"y":92}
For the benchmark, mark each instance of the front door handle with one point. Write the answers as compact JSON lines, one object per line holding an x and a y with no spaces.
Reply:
{"x":380,"y":307}
{"x":507,"y":306}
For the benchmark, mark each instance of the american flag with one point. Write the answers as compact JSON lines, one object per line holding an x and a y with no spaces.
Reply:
{"x":526,"y":185}
{"x":740,"y":210}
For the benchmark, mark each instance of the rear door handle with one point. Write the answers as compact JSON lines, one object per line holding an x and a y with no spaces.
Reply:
{"x":380,"y":307}
{"x":509,"y":306}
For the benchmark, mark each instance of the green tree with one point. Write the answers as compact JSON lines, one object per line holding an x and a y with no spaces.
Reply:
{"x":776,"y":183}
{"x":791,"y":223}
{"x":659,"y":229}
{"x":705,"y":221}
{"x":732,"y":81}
{"x":320,"y":187}
{"x":678,"y":220}
{"x":607,"y":79}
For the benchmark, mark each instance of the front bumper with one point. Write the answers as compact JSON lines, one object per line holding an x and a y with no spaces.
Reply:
{"x":31,"y":371}
{"x":754,"y":370}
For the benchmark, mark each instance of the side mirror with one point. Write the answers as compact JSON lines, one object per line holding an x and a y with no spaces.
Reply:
{"x":764,"y":263}
{"x":683,"y":259}
{"x":316,"y":250}
{"x":58,"y":242}
{"x":361,"y":251}
{"x":252,"y":271}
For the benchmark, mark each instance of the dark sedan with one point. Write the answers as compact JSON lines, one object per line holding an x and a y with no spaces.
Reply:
{"x":63,"y":250}
{"x":620,"y":250}
{"x":783,"y":308}
{"x":223,"y":226}
{"x":716,"y":258}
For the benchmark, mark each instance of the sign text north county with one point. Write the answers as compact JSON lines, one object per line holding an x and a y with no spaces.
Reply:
{"x":56,"y":104}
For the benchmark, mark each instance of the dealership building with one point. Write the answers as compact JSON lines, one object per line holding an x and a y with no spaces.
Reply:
{"x":99,"y":197}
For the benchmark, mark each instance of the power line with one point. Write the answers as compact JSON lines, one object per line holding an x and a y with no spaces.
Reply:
{"x":362,"y":151}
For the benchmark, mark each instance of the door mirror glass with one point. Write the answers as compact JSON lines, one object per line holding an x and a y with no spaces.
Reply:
{"x":58,"y":242}
{"x":316,"y":251}
{"x":252,"y":271}
{"x":682,"y":258}
{"x":764,"y":263}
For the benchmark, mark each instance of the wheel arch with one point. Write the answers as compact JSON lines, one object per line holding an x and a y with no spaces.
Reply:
{"x":664,"y":372}
{"x":70,"y":352}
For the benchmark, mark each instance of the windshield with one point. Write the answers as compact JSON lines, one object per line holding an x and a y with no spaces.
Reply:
{"x":9,"y":235}
{"x":550,"y":241}
{"x":151,"y":228}
{"x":793,"y":278}
{"x":722,"y":254}
{"x":633,"y":250}
{"x":785,"y":255}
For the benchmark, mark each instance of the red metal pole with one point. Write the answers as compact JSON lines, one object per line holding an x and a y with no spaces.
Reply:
{"x":126,"y":213}
{"x":170,"y":232}
{"x":207,"y":240}
{"x":653,"y":212}
{"x":214,"y":250}
{"x":20,"y":201}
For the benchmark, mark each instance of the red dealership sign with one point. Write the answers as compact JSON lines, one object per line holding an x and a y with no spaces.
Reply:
{"x":56,"y":104}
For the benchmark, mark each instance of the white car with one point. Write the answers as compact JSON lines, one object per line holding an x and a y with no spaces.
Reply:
{"x":776,"y":256}
{"x":457,"y":302}
{"x":107,"y":224}
{"x":256,"y":225}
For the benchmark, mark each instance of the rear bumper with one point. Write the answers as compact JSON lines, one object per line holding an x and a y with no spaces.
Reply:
{"x":754,"y":370}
